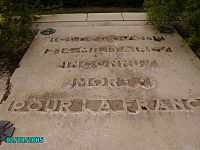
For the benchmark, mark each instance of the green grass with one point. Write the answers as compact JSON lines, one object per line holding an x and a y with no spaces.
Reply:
{"x":89,"y":10}
{"x":1,"y":19}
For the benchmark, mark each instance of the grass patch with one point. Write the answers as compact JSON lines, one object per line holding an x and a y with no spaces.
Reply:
{"x":1,"y":19}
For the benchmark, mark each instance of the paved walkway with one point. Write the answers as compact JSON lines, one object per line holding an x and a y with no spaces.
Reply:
{"x":89,"y":17}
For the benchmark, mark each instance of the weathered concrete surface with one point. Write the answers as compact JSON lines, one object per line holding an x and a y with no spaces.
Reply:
{"x":90,"y":23}
{"x":104,"y":16}
{"x":92,"y":19}
{"x":62,"y":17}
{"x":134,"y":16}
{"x":145,"y":85}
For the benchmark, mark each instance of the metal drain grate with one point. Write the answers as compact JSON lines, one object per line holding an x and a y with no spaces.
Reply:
{"x":6,"y":130}
{"x":48,"y":31}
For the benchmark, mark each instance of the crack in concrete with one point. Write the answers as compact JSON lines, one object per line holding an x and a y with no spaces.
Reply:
{"x":7,"y":91}
{"x":122,"y":16}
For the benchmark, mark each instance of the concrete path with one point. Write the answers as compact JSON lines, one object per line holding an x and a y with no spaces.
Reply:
{"x":105,"y":82}
{"x":93,"y":17}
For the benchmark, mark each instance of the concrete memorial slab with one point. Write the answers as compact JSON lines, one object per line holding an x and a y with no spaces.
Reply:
{"x":106,"y":88}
